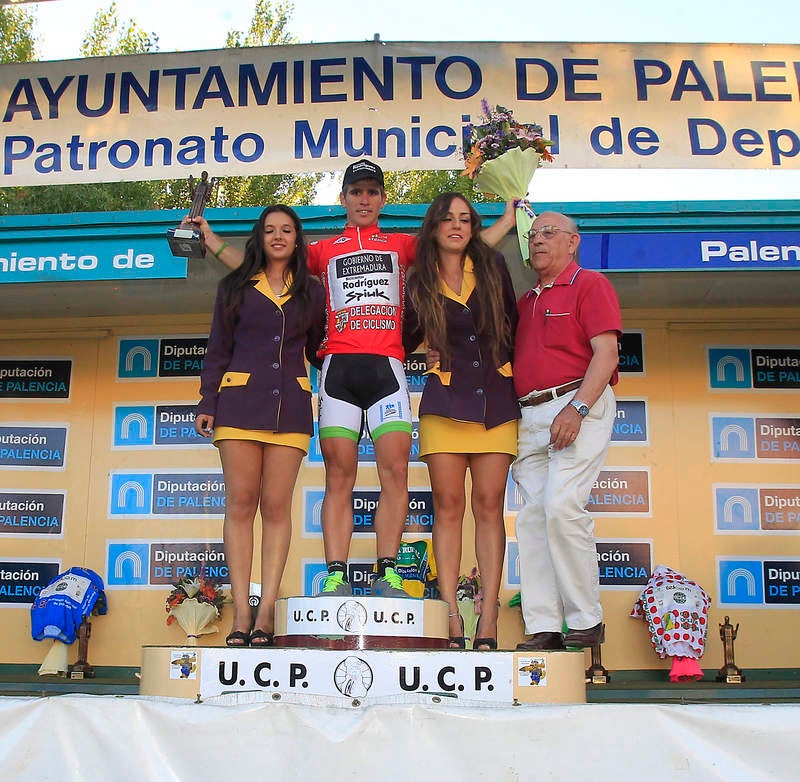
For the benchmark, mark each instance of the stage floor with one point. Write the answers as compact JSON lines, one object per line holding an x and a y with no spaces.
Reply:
{"x":78,"y":737}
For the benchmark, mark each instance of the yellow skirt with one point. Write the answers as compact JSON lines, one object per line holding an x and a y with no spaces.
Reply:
{"x":290,"y":439}
{"x":444,"y":435}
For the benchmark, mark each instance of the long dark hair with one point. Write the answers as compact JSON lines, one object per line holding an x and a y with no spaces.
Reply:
{"x":429,"y":302}
{"x":255,"y":259}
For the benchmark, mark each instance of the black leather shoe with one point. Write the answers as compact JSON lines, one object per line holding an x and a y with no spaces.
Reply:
{"x":589,"y":637}
{"x":542,"y":642}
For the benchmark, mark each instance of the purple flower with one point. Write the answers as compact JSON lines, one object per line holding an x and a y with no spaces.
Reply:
{"x":497,"y":133}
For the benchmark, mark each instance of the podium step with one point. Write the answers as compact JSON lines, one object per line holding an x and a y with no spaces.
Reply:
{"x":327,"y":677}
{"x":360,"y":622}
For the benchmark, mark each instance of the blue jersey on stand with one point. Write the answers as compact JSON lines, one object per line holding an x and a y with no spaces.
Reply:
{"x":61,"y":607}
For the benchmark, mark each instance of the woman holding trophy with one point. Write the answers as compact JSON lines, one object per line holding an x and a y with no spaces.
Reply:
{"x":256,"y":402}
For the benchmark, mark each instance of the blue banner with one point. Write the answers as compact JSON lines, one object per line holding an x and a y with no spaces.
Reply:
{"x":71,"y":260}
{"x":697,"y":251}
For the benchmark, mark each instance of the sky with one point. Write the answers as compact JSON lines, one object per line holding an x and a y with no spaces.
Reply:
{"x":202,"y":24}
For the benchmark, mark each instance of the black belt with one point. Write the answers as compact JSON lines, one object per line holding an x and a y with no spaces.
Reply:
{"x":540,"y":397}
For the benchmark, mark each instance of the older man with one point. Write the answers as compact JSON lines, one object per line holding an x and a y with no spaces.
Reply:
{"x":565,"y":362}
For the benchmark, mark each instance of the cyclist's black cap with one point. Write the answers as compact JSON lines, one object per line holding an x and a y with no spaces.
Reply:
{"x":362,"y":169}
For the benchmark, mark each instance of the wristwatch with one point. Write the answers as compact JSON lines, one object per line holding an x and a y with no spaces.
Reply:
{"x":581,"y":407}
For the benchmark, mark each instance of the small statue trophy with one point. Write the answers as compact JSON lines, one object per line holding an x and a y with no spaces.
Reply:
{"x":81,"y":669}
{"x":730,"y":673}
{"x":185,"y":241}
{"x":596,"y":673}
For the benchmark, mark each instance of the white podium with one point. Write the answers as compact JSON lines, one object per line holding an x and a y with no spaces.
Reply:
{"x":361,"y":623}
{"x":354,"y":651}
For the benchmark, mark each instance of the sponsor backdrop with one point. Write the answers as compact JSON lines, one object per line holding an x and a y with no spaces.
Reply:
{"x":102,"y":469}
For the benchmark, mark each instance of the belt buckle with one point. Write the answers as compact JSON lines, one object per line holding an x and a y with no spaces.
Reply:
{"x":534,"y":399}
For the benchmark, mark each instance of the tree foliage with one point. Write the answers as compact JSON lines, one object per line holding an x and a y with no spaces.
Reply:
{"x":63,"y":199}
{"x":17,"y":43}
{"x":421,"y":187}
{"x":109,"y":35}
{"x":267,"y":28}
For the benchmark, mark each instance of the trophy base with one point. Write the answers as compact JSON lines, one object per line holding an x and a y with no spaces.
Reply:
{"x":730,"y":676}
{"x":597,"y":675}
{"x":186,"y":242}
{"x":81,"y":670}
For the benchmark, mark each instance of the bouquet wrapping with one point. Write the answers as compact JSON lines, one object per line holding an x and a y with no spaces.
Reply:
{"x":509,"y":176}
{"x":194,"y":604}
{"x":195,"y":618}
{"x":501,"y":156}
{"x":55,"y":661}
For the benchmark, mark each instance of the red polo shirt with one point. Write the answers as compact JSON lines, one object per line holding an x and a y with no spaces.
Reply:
{"x":555,"y":325}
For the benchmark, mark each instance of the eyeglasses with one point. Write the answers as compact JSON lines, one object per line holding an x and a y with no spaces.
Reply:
{"x":547,"y":232}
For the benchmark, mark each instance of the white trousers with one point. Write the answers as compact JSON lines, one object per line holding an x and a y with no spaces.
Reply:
{"x":557,"y":554}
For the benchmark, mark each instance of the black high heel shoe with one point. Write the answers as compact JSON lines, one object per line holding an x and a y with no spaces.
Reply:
{"x":262,"y":638}
{"x":489,"y":644}
{"x":458,"y":641}
{"x":238,"y":638}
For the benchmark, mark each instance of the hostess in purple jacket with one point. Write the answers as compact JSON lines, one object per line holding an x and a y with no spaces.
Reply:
{"x":472,"y":388}
{"x":254,"y":375}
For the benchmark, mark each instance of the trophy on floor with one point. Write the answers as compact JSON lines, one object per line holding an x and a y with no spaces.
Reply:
{"x":730,"y":673}
{"x":596,"y":673}
{"x":81,"y":669}
{"x":185,"y":241}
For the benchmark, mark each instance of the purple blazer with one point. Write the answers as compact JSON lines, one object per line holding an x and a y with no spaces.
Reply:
{"x":472,"y":388}
{"x":254,"y":375}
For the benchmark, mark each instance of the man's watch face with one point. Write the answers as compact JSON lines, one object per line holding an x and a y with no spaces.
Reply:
{"x":581,"y":407}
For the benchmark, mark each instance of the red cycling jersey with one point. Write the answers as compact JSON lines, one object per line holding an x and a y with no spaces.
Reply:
{"x":364,"y":272}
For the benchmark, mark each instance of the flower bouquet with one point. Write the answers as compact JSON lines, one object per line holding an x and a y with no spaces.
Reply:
{"x":194,"y":603}
{"x":469,"y":597}
{"x":501,"y":155}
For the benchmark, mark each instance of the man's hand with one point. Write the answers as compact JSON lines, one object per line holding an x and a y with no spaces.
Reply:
{"x":567,"y":423}
{"x":565,"y":428}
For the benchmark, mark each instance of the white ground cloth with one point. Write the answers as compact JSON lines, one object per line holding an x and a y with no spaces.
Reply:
{"x":74,"y":737}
